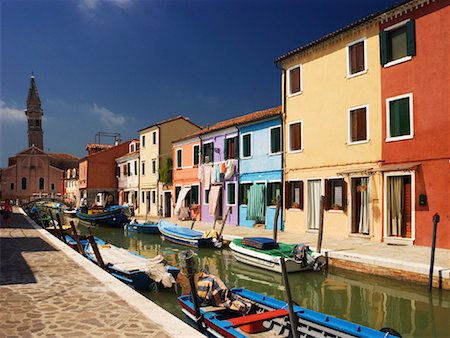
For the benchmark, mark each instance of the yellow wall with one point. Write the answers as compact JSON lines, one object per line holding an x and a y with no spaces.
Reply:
{"x":323,"y":105}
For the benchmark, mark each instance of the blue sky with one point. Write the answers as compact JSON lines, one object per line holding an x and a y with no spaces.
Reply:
{"x":120,"y":65}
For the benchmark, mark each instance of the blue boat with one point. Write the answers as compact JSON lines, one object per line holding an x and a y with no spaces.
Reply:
{"x":73,"y":244}
{"x":272,"y":315}
{"x":114,"y":216}
{"x":132,"y":268}
{"x":143,"y":228}
{"x":185,"y":236}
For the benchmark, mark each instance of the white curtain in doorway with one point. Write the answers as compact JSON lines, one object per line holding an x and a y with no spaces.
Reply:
{"x":363,"y":224}
{"x":313,"y":211}
{"x":181,"y":196}
{"x":395,"y":206}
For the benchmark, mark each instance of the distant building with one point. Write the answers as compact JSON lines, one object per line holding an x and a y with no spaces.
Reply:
{"x":33,"y":172}
{"x":71,"y":191}
{"x":128,"y":176}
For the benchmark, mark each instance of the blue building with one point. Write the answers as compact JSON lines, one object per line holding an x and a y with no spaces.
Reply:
{"x":260,"y":164}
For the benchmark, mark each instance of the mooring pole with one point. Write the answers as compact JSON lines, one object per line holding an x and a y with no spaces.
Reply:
{"x":275,"y":222}
{"x":320,"y":235}
{"x":53,"y":222}
{"x":61,"y":230}
{"x":292,"y":315}
{"x":224,"y":221}
{"x":97,"y":254}
{"x":436,"y":220}
{"x":76,"y":238}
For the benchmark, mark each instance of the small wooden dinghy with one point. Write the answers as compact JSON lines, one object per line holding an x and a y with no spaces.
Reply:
{"x":143,"y":228}
{"x":188,"y":237}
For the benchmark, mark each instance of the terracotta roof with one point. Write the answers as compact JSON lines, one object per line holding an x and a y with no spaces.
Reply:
{"x":98,"y":146}
{"x":170,"y":120}
{"x":339,"y":31}
{"x":128,"y":155}
{"x":240,"y":120}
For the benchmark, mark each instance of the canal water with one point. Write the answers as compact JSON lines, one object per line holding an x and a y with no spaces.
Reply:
{"x":372,"y":301}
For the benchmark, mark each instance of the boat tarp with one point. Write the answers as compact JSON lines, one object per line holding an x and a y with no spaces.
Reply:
{"x":181,"y":196}
{"x":284,"y":250}
{"x":255,"y":208}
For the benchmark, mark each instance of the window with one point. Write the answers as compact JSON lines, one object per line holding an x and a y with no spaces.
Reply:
{"x":153,"y":167}
{"x":206,"y":197}
{"x":275,"y":140}
{"x":399,"y":118}
{"x":132,"y":148}
{"x":142,"y":196}
{"x":129,"y":169}
{"x":135,"y":168}
{"x":24,"y":183}
{"x":335,"y":194}
{"x":246,"y":145}
{"x":154,"y":137}
{"x":356,"y":54}
{"x":208,"y":152}
{"x":295,"y":80}
{"x":143,"y":140}
{"x":153,"y":196}
{"x":243,"y":192}
{"x":179,"y":158}
{"x":196,"y":153}
{"x":398,"y":43}
{"x":294,"y":194}
{"x":118,"y":171}
{"x":195,"y":198}
{"x":177,"y":192}
{"x":53,"y":186}
{"x":41,"y":183}
{"x":231,"y":148}
{"x":358,"y":125}
{"x":295,"y":136}
{"x":12,"y":186}
{"x":143,"y":168}
{"x":273,"y":192}
{"x":231,"y":193}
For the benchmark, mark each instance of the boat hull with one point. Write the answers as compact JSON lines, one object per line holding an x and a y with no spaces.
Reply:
{"x":175,"y":235}
{"x":112,"y":218}
{"x":146,"y":228}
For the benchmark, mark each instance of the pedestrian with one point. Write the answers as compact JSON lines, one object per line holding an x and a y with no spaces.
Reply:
{"x":7,"y":210}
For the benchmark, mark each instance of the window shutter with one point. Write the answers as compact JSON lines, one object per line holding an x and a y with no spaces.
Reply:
{"x":225,"y":149}
{"x":295,"y":80}
{"x":236,"y":147}
{"x":288,"y":195}
{"x":353,"y":59}
{"x":344,"y":195}
{"x":203,"y":153}
{"x":211,"y":152}
{"x":327,"y":205}
{"x":411,"y":38}
{"x":360,"y":57}
{"x":384,"y":55}
{"x":394,"y":119}
{"x":403,"y":112}
{"x":301,"y":194}
{"x":361,"y":129}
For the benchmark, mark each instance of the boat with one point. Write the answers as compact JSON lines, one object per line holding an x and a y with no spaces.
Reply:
{"x":114,"y":216}
{"x":135,"y":270}
{"x":143,"y":228}
{"x":72,"y":213}
{"x":83,"y":240}
{"x":271,"y":318}
{"x":188,"y":237}
{"x":265,"y":253}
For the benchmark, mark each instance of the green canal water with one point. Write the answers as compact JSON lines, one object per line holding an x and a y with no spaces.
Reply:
{"x":368,"y":300}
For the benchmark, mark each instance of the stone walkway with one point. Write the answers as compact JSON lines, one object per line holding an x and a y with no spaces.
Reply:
{"x":45,"y":293}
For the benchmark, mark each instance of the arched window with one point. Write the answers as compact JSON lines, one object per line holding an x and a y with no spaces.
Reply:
{"x":53,"y":186}
{"x":24,"y":183}
{"x":41,"y":183}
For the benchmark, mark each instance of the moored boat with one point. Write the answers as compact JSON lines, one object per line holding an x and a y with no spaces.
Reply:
{"x":188,"y":237}
{"x":144,"y":228}
{"x":265,"y":253}
{"x":114,"y":216}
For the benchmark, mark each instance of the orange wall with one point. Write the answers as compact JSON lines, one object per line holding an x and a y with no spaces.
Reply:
{"x":188,"y":174}
{"x":427,"y":77}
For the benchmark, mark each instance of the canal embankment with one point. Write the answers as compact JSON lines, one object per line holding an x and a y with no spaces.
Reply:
{"x":48,"y":289}
{"x":411,"y":263}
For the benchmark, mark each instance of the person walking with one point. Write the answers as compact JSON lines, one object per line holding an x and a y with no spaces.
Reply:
{"x":7,"y":210}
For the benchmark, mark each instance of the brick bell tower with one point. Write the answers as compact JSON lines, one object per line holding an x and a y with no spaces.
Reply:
{"x":34,"y":114}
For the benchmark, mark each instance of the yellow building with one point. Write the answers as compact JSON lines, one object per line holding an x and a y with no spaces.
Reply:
{"x":155,"y":155}
{"x":332,"y":127}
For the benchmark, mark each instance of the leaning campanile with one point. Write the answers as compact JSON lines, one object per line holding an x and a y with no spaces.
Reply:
{"x":34,"y":114}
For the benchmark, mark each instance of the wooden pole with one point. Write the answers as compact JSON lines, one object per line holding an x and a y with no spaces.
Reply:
{"x":97,"y":254}
{"x":436,"y":220}
{"x":223,"y":222}
{"x":275,"y":223}
{"x":76,"y":238}
{"x":61,"y":230}
{"x":292,"y":315}
{"x":320,"y":235}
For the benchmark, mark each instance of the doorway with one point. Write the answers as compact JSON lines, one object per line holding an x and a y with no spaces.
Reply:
{"x":399,"y":206}
{"x":167,"y":203}
{"x":313,"y":208}
{"x":360,"y":205}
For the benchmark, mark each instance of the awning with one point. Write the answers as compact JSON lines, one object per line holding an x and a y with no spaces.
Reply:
{"x":181,"y":196}
{"x":366,"y":170}
{"x":398,"y":167}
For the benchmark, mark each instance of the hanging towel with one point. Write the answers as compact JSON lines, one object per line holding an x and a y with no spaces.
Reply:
{"x":207,"y":176}
{"x":230,"y":169}
{"x":200,"y":173}
{"x":181,"y":197}
{"x":213,"y":174}
{"x":218,"y":172}
{"x":223,"y":168}
{"x":213,"y":200}
{"x":255,"y":206}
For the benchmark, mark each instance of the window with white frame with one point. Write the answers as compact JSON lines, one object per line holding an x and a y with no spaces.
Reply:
{"x":335,"y":194}
{"x":295,"y":80}
{"x":273,"y":193}
{"x":358,"y":119}
{"x":295,"y":131}
{"x":143,"y":140}
{"x":244,"y":189}
{"x":153,"y":196}
{"x":208,"y":152}
{"x":143,"y":168}
{"x":230,"y":148}
{"x":196,"y":154}
{"x":179,"y":158}
{"x":356,"y":57}
{"x":246,"y":145}
{"x":206,"y":201}
{"x":399,"y":118}
{"x":195,"y":194}
{"x":153,"y":167}
{"x":294,"y":194}
{"x":231,"y":193}
{"x":275,"y":140}
{"x":154,"y":137}
{"x":398,"y":43}
{"x":135,"y":167}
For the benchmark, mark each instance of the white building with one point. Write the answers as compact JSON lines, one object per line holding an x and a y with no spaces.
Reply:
{"x":128,"y":176}
{"x":71,"y":191}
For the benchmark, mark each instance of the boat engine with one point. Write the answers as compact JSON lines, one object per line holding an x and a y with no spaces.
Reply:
{"x":302,"y":254}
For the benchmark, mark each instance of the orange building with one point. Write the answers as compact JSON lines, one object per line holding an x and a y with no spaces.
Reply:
{"x":415,"y":89}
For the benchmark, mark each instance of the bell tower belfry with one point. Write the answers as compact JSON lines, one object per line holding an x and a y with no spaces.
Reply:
{"x":34,"y":114}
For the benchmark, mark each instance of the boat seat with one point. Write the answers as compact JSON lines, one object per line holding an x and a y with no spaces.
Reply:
{"x":258,"y":317}
{"x":212,"y":308}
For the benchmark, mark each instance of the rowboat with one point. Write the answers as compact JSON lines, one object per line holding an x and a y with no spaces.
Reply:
{"x":72,"y":213}
{"x":114,"y":216}
{"x":135,"y":270}
{"x":265,"y":253}
{"x":143,"y":228}
{"x":83,"y":240}
{"x":188,"y":237}
{"x":271,"y":318}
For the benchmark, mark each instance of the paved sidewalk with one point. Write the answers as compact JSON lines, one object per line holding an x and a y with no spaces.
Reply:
{"x":355,"y":253}
{"x":45,"y":292}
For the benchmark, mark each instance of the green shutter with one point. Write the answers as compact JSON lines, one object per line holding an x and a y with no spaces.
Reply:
{"x":403,"y":108}
{"x":394,"y":119}
{"x":273,"y":140}
{"x":236,"y":147}
{"x":225,"y":149}
{"x":384,"y":55}
{"x":203,"y":153}
{"x":411,"y":38}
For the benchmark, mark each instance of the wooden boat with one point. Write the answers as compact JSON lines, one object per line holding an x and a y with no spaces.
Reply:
{"x":272,"y":319}
{"x":269,"y":259}
{"x":185,"y":236}
{"x":137,"y":271}
{"x":72,"y":213}
{"x":114,"y":216}
{"x":73,"y":244}
{"x":143,"y":228}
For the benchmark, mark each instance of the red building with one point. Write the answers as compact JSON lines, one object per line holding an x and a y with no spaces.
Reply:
{"x":415,"y":89}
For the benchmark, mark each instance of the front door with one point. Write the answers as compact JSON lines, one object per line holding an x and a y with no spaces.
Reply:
{"x":360,"y":205}
{"x":147,"y":202}
{"x":399,"y":206}
{"x":167,"y":203}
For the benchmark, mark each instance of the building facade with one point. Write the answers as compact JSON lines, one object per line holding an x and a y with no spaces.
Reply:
{"x":128,"y":177}
{"x":71,"y":190}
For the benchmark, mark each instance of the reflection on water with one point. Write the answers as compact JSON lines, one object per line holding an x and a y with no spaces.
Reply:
{"x":372,"y":301}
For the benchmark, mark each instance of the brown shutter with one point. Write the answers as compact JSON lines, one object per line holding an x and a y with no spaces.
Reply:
{"x":327,"y":205}
{"x":300,"y":185}
{"x":354,"y":126}
{"x":359,"y":56}
{"x":361,"y":124}
{"x":296,"y":136}
{"x":295,"y":80}
{"x":288,"y":195}
{"x":353,"y":67}
{"x":344,"y":195}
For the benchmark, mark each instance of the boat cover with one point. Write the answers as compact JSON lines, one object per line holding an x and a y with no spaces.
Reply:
{"x":283,"y":250}
{"x":261,"y":243}
{"x":181,"y":231}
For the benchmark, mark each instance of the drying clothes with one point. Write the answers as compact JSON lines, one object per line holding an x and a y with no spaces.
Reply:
{"x":255,"y":206}
{"x":181,"y":196}
{"x":207,"y":176}
{"x":230,"y":169}
{"x":213,"y":200}
{"x":213,"y":174}
{"x":217,"y":166}
{"x":200,"y":173}
{"x":223,"y":168}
